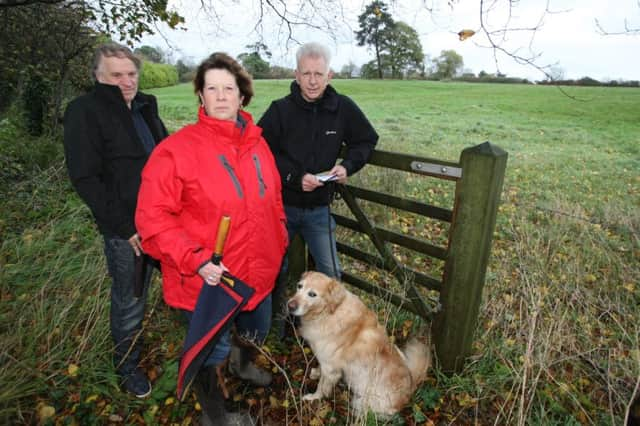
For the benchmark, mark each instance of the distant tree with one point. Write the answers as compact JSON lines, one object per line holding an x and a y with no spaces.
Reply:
{"x":404,"y":51}
{"x":252,"y":61}
{"x":375,"y":23}
{"x":259,"y":48}
{"x":448,"y":64}
{"x":254,"y":64}
{"x":185,"y":69}
{"x":281,"y":72}
{"x":588,"y":81}
{"x":370,"y":70}
{"x":149,"y":53}
{"x":348,"y":70}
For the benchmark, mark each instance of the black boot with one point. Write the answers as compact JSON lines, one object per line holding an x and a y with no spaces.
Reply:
{"x":240,"y":365}
{"x":212,"y":402}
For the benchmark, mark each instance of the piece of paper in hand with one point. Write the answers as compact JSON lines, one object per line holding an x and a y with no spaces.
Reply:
{"x":326,"y":178}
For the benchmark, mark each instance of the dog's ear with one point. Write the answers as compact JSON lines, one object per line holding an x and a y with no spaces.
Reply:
{"x":335,"y":295}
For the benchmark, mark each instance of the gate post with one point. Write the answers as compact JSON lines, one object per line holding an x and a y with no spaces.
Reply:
{"x":474,"y":218}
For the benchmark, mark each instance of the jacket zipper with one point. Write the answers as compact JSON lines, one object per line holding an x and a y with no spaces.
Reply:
{"x":232,"y":173}
{"x":313,"y":135}
{"x":261,"y":184}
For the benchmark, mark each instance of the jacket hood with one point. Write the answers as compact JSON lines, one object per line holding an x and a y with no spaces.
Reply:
{"x":329,"y":100}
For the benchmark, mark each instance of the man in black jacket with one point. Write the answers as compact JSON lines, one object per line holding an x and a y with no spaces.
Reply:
{"x":108,"y":136}
{"x":306,"y":130}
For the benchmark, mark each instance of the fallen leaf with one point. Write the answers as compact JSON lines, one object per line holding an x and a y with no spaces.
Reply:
{"x":45,"y":412}
{"x":465,"y":34}
{"x":115,"y":418}
{"x":72,"y":369}
{"x":273,"y":401}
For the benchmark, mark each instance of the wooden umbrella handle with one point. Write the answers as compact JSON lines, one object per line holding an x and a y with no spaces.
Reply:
{"x":223,"y":229}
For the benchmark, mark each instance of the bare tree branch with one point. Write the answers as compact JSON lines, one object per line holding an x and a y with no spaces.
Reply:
{"x":498,"y":37}
{"x":628,"y":29}
{"x":12,"y":3}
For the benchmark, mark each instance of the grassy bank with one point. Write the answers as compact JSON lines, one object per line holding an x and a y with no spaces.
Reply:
{"x":558,"y":337}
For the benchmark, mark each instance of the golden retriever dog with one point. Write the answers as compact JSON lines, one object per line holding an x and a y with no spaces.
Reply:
{"x":349,"y":343}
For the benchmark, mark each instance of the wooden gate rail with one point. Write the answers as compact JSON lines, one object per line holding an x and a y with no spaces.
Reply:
{"x":478,"y":176}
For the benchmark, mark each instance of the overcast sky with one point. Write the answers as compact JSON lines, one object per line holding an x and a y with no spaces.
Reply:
{"x":567,"y":36}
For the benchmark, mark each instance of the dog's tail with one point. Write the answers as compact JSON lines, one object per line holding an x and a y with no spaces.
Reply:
{"x":418,"y":358}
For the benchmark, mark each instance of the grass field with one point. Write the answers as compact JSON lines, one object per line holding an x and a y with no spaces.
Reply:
{"x":559,"y":332}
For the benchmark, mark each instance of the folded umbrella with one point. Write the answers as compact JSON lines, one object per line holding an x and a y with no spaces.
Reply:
{"x":215,"y":309}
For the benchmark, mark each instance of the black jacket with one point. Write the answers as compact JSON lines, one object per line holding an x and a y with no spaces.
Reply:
{"x":306,"y":138}
{"x":105,"y":156}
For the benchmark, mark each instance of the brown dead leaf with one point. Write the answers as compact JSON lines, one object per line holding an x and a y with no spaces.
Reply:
{"x":273,"y":401}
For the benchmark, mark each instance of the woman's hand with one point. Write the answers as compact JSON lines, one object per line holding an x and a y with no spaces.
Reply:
{"x":211,"y":273}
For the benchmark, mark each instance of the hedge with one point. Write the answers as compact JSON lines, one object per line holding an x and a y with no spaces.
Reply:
{"x":157,"y":75}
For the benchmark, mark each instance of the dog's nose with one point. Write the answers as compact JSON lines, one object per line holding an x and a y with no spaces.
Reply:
{"x":292,"y":305}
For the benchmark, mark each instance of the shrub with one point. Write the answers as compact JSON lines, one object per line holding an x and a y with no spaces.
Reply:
{"x":157,"y":75}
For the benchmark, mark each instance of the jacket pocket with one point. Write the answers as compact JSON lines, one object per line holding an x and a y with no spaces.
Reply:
{"x":232,"y":174}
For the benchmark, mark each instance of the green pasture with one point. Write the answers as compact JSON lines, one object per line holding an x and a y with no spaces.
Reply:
{"x":572,"y":143}
{"x":559,"y":328}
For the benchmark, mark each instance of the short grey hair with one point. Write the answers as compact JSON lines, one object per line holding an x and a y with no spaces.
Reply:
{"x":111,"y":49}
{"x":313,"y":50}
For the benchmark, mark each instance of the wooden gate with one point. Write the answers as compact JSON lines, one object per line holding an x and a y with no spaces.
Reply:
{"x":478,"y":181}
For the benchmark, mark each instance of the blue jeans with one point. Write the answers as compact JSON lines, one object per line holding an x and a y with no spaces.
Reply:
{"x":127,"y":311}
{"x":317,"y":228}
{"x":251,"y":325}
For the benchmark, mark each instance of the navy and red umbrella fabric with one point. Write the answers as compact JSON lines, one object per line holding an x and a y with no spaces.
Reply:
{"x":215,"y":310}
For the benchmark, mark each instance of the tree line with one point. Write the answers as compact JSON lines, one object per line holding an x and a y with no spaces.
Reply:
{"x":46,"y":52}
{"x":46,"y":49}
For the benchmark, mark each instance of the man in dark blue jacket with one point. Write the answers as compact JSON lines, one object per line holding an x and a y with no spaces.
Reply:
{"x":306,"y":130}
{"x":108,"y":136}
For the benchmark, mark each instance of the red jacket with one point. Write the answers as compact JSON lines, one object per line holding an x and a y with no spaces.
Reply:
{"x":197,"y":175}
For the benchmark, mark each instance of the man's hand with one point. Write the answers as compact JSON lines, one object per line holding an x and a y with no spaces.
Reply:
{"x":136,"y":243}
{"x":340,"y":172}
{"x":310,"y":182}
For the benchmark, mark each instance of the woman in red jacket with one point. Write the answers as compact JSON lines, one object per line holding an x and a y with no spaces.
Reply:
{"x":219,"y":166}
